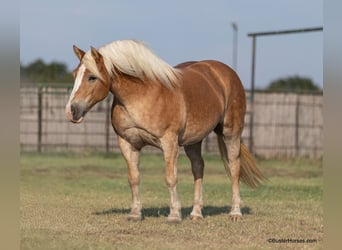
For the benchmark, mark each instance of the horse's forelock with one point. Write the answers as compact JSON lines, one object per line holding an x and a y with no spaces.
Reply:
{"x":90,"y":64}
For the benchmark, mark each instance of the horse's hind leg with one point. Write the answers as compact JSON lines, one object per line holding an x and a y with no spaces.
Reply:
{"x":233,"y":149}
{"x":131,"y":156}
{"x":197,"y":165}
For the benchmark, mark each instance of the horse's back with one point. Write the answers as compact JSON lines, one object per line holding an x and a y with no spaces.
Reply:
{"x":212,"y":79}
{"x":208,"y":88}
{"x":215,"y":73}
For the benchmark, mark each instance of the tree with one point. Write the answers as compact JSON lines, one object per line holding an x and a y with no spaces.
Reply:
{"x":293,"y":84}
{"x":40,"y":72}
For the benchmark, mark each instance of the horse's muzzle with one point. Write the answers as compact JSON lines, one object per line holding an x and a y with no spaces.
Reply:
{"x":76,"y":112}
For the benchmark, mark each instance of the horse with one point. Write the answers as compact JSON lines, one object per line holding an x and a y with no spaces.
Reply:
{"x":168,"y":108}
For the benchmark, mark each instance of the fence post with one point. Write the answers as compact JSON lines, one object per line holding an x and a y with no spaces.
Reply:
{"x":108,"y":122}
{"x":251,"y":120}
{"x":297,"y":126}
{"x":40,"y":116}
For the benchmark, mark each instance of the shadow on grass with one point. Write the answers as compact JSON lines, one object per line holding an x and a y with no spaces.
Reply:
{"x":164,"y":211}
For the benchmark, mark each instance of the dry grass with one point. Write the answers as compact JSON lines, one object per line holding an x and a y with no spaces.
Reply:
{"x":81,"y":202}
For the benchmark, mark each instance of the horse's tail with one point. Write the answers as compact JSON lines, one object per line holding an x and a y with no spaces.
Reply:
{"x":249,"y":173}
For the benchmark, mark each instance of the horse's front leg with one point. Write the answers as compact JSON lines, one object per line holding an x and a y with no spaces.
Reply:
{"x":170,"y":148}
{"x":132,"y":156}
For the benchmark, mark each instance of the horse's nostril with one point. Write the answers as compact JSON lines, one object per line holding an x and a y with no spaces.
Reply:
{"x":73,"y":109}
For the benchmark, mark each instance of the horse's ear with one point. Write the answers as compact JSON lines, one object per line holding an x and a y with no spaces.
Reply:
{"x":98,"y":58}
{"x":78,"y":52}
{"x":96,"y":55}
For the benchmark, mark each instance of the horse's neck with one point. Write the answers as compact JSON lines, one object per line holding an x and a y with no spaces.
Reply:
{"x":130,"y":90}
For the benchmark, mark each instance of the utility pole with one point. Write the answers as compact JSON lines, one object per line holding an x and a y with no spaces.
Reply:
{"x":235,"y":47}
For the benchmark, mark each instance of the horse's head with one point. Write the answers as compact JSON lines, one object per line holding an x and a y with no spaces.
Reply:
{"x":92,"y":84}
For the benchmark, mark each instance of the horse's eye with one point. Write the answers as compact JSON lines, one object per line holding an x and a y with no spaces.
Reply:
{"x":92,"y":78}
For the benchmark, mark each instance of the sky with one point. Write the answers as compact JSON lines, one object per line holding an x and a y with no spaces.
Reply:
{"x":181,"y":30}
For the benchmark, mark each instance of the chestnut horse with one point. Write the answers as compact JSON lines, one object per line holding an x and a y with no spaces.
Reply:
{"x":166,"y":107}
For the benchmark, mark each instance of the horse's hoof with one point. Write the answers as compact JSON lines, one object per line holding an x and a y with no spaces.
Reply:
{"x":235,"y":217}
{"x":174,"y":219}
{"x":195,"y":217}
{"x":134,"y":217}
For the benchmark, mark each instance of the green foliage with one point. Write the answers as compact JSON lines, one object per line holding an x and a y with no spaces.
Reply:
{"x":41,"y":72}
{"x":293,"y":84}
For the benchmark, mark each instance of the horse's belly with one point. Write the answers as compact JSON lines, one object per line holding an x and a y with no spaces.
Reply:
{"x":192,"y":138}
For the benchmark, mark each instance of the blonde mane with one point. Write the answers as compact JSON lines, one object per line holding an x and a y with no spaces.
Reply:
{"x":135,"y":59}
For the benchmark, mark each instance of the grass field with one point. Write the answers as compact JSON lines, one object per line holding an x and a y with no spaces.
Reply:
{"x":81,"y":202}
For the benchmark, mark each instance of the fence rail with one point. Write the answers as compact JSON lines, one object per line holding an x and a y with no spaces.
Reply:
{"x":284,"y":125}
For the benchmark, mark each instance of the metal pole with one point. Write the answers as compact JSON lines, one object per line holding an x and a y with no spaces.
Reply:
{"x":297,"y":127}
{"x":254,"y":35}
{"x":108,"y":122}
{"x":40,"y":116}
{"x":284,"y":32}
{"x":251,"y":141}
{"x":235,"y":48}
